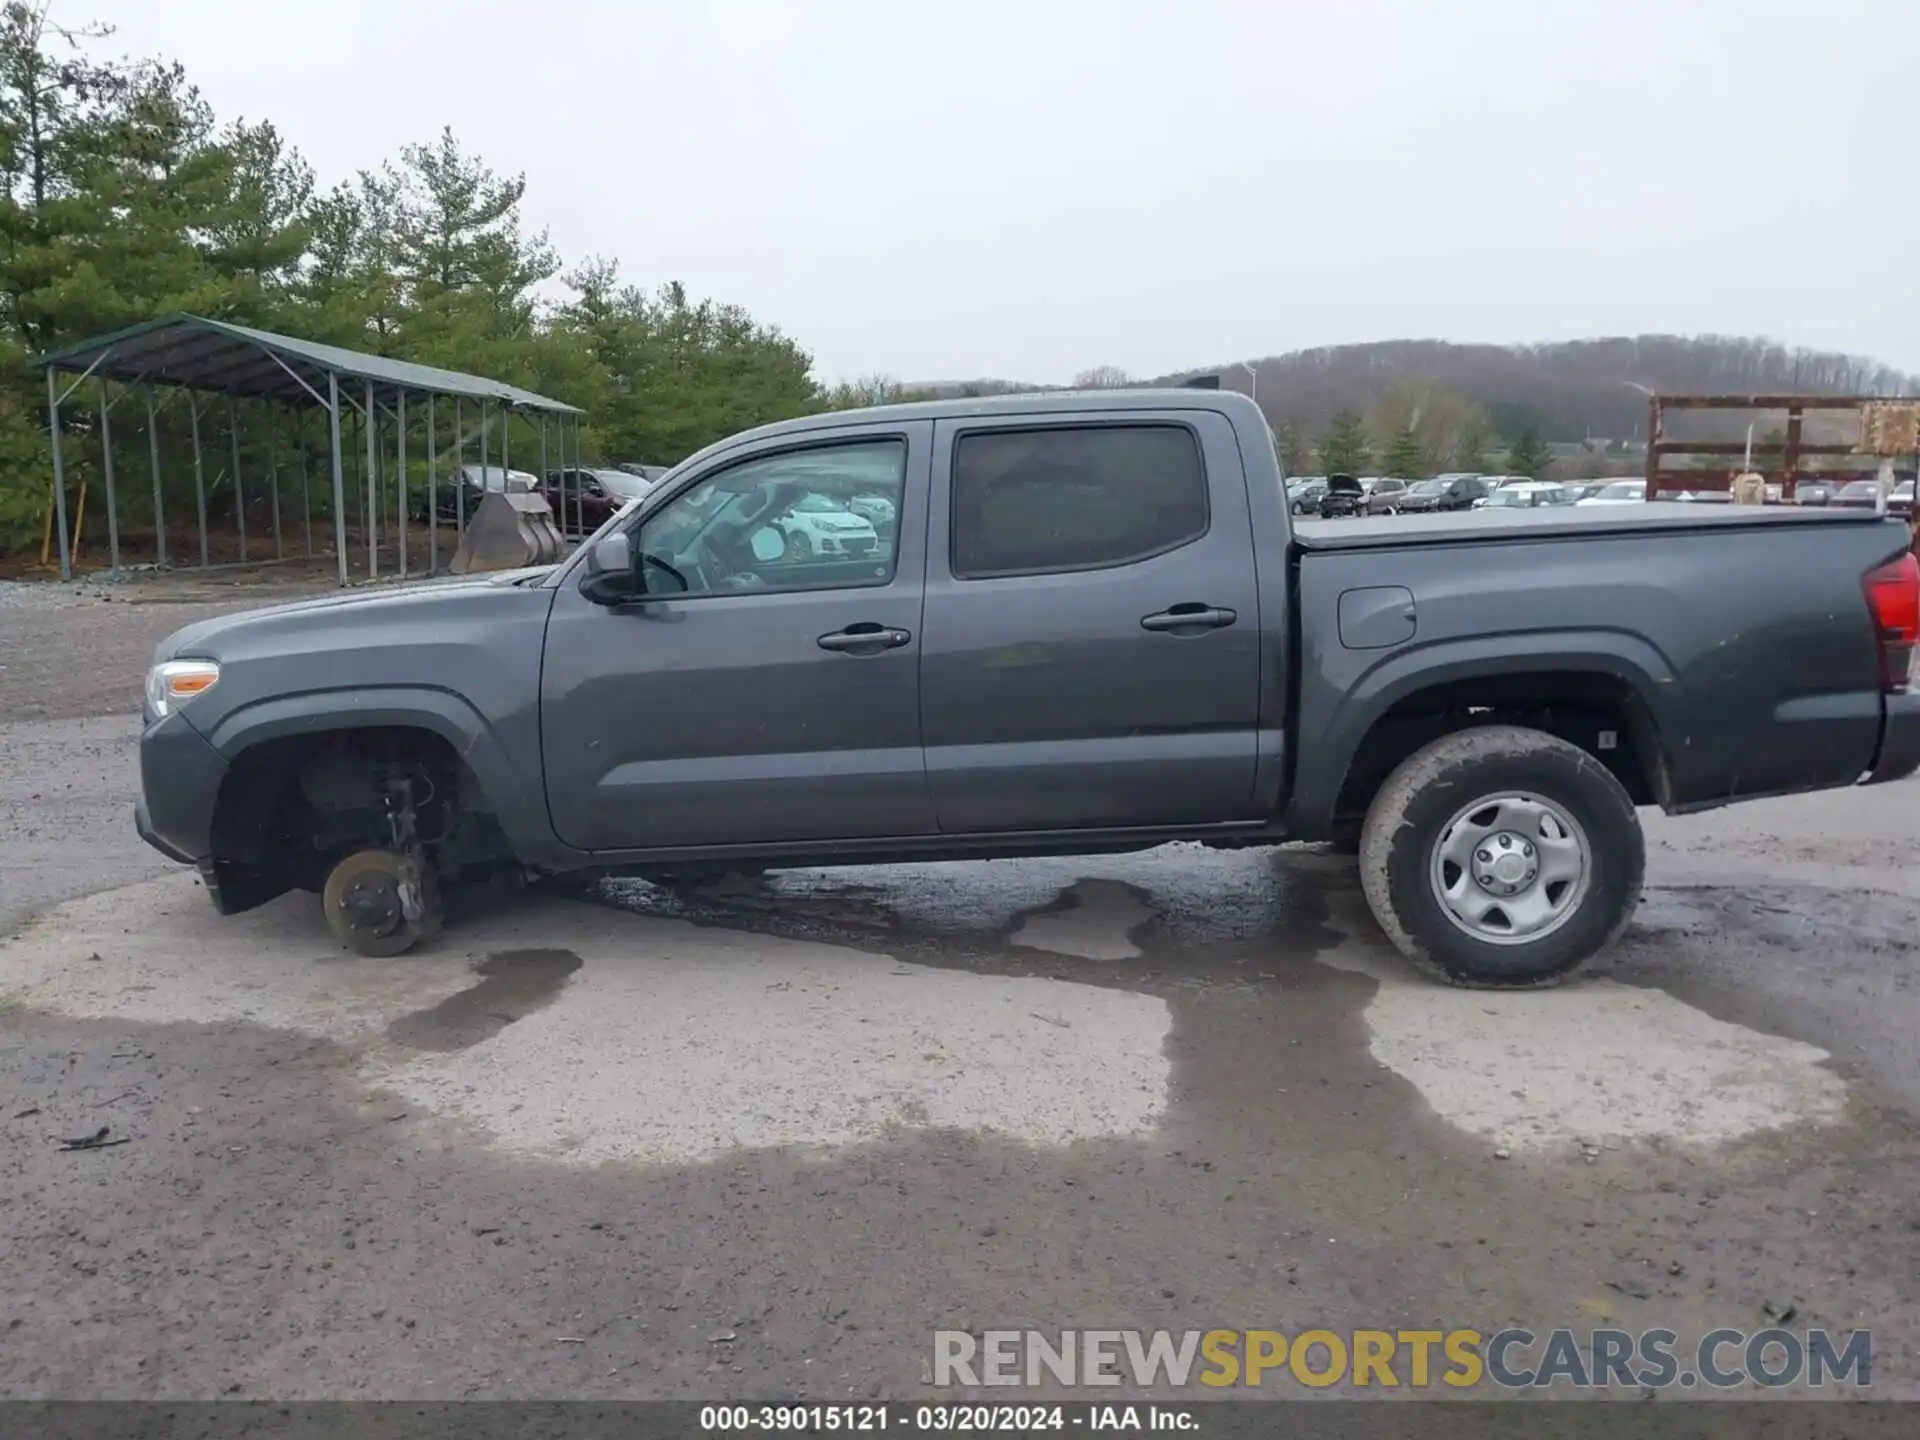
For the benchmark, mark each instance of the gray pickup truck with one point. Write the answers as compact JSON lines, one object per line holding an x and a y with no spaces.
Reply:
{"x":1056,"y":624}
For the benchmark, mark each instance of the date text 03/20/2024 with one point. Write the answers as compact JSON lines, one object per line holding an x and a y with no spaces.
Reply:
{"x":944,"y":1419}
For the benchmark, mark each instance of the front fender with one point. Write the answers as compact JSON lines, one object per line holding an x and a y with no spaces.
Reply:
{"x":1337,"y":713}
{"x":510,"y":779}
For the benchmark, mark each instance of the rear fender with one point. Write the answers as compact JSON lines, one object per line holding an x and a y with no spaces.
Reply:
{"x":1341,"y":732}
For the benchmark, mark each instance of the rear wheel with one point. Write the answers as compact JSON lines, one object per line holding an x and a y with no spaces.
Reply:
{"x":797,"y":547}
{"x":1502,"y":857}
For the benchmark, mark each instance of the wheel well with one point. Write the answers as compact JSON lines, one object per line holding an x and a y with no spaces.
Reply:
{"x":1582,"y":707}
{"x":289,"y":806}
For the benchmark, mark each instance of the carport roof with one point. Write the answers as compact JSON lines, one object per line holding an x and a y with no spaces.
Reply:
{"x":192,"y":352}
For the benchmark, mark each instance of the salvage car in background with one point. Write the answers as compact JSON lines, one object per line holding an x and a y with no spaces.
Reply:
{"x":1619,"y":492}
{"x":1523,"y":496}
{"x":1385,"y":494}
{"x":473,"y":483}
{"x":583,"y":500}
{"x":1304,"y":494}
{"x":1443,"y":492}
{"x":1343,"y":498}
{"x":1857,"y":495}
{"x":816,"y":525}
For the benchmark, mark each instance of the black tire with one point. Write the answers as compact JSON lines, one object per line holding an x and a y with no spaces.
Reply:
{"x":1418,"y":803}
{"x":797,"y":547}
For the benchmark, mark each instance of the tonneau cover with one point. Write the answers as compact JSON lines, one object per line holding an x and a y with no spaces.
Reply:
{"x":1554,"y":522}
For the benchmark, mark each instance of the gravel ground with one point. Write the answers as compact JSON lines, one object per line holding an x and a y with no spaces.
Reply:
{"x":765,"y":1139}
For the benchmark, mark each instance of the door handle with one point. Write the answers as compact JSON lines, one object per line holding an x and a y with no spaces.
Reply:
{"x":865,"y":638}
{"x":1190,"y":618}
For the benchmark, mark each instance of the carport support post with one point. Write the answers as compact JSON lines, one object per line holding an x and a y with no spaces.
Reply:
{"x":199,"y":477}
{"x":339,"y":477}
{"x":106,"y":470}
{"x":373,"y":490}
{"x":580,"y":517}
{"x":484,"y":422}
{"x":400,"y":471}
{"x":159,"y":504}
{"x":459,"y":480}
{"x":506,"y":429}
{"x":306,"y":488}
{"x":546,"y":475}
{"x":239,"y":490}
{"x":433,"y":494}
{"x":273,"y":478}
{"x":59,"y":474}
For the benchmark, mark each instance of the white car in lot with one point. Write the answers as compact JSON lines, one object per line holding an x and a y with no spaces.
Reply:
{"x":1620,"y":492}
{"x":1524,"y":495}
{"x":820,"y":525}
{"x":876,"y":510}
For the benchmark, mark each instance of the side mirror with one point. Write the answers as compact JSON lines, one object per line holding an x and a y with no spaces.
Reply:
{"x":767,"y":544}
{"x":610,"y":570}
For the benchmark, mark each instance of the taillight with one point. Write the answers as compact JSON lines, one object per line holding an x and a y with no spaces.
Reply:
{"x":1893,"y":595}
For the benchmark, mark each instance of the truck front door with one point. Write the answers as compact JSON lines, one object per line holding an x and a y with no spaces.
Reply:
{"x":1092,"y":647}
{"x":775,"y":695}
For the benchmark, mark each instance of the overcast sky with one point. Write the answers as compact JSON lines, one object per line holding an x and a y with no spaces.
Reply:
{"x":1026,"y":189}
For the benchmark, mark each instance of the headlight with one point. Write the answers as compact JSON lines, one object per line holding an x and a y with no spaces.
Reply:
{"x":172,"y":683}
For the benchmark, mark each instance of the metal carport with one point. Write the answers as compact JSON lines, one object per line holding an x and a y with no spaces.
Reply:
{"x":274,"y":374}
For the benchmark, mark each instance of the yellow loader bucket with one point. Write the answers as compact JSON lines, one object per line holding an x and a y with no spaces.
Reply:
{"x":508,"y":532}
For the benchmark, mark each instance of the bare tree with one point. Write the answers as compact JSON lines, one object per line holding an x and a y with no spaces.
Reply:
{"x":1103,"y":377}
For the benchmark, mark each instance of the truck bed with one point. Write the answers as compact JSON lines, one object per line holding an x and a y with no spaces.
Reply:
{"x":1561,"y":522}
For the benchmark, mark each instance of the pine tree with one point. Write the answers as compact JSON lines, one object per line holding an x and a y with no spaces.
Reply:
{"x":1406,"y":457}
{"x":1470,"y":445}
{"x":1529,"y":455}
{"x":1343,"y":449}
{"x":1291,"y":444}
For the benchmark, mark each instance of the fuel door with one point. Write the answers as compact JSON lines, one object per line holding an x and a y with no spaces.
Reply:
{"x":1376,"y":616}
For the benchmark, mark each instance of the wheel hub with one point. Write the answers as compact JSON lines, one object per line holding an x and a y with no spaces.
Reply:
{"x":372,"y":903}
{"x":1510,"y":868}
{"x":1505,"y":863}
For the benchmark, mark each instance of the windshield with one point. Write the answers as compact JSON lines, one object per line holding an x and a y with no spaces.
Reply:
{"x":1859,"y":487}
{"x":1507,"y":498}
{"x":818,"y":505}
{"x":1429,"y":487}
{"x":1623,"y":490}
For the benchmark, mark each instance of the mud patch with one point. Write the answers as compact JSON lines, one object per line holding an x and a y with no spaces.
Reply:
{"x":1092,"y":920}
{"x":513,"y":984}
{"x":1592,"y":1061}
{"x":594,"y":1036}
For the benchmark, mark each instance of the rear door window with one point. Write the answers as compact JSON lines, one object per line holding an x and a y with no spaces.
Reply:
{"x":1065,"y":498}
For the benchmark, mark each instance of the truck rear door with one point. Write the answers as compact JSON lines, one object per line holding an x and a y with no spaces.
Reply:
{"x":1091,"y":640}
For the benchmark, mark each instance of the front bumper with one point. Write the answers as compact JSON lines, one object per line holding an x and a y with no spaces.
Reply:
{"x":1899,"y":741}
{"x":180,"y":775}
